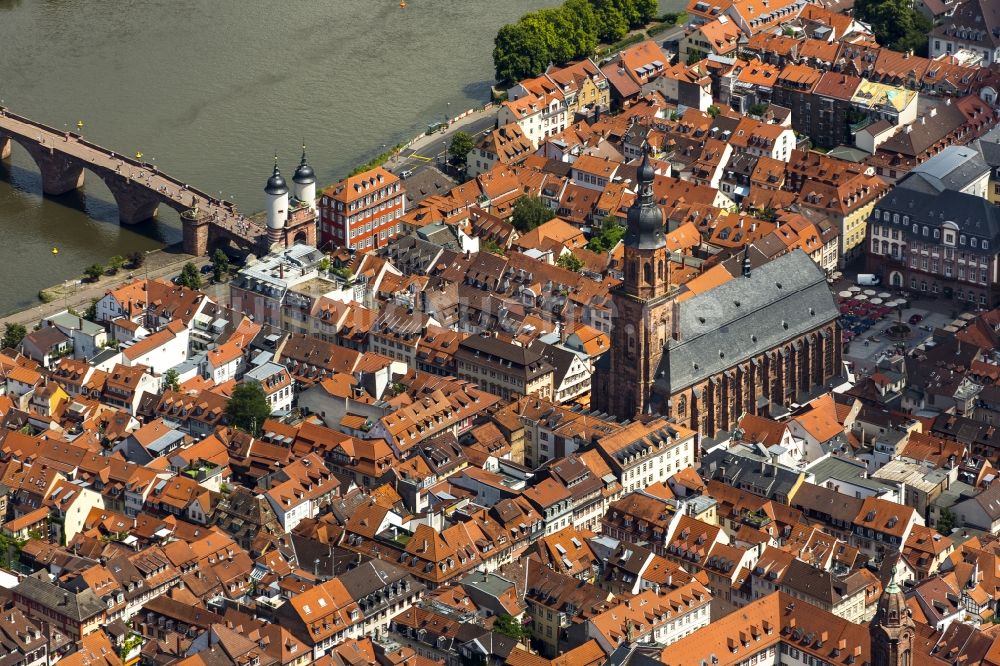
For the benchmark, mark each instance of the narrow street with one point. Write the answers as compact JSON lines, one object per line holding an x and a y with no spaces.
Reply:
{"x":433,"y":149}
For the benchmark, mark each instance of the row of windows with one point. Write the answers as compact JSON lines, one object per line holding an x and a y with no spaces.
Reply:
{"x":949,"y":236}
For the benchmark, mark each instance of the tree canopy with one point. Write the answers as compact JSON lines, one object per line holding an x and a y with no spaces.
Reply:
{"x":220,"y":265}
{"x":248,"y":408}
{"x":461,"y":144}
{"x":94,"y":272}
{"x":607,"y":237}
{"x":561,"y":34}
{"x":570,"y":262}
{"x":171,"y":380}
{"x":13,"y":334}
{"x":508,"y":625}
{"x":190,"y":277}
{"x":896,"y":24}
{"x":529,"y":212}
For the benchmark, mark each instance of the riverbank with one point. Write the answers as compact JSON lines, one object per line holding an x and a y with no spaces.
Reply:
{"x":77,"y":295}
{"x":344,"y":77}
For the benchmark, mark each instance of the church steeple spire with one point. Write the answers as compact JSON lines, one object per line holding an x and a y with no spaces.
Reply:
{"x":645,"y":219}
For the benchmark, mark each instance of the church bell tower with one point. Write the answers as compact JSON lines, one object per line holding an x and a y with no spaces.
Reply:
{"x":892,"y":628}
{"x":642,"y":318}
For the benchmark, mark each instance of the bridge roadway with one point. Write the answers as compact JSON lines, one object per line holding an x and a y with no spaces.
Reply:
{"x":138,"y":187}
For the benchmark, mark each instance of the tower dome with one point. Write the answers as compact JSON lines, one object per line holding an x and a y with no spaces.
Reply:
{"x":645,"y":219}
{"x":277,"y":199}
{"x":304,"y":173}
{"x":304,"y":182}
{"x":276,"y":184}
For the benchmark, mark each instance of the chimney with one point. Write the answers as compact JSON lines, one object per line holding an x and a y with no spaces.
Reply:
{"x":746,"y":260}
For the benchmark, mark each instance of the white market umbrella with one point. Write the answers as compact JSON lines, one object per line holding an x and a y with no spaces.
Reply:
{"x":869,"y":292}
{"x":885,"y":294}
{"x":861,"y":297}
{"x":845,"y":294}
{"x":876,"y":301}
{"x":855,"y":288}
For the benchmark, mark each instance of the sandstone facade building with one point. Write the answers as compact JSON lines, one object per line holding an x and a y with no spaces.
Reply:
{"x":767,"y":337}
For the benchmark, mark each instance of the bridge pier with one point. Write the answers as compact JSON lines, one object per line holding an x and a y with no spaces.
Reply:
{"x":135,"y":202}
{"x":4,"y":147}
{"x":195,"y":226}
{"x":60,"y":173}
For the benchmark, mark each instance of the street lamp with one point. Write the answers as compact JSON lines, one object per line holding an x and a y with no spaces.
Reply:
{"x":447,"y":118}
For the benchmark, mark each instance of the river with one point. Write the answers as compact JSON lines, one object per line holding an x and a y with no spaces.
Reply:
{"x":210,"y":91}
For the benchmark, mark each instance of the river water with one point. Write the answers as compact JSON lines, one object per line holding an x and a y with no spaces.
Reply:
{"x":209,"y":91}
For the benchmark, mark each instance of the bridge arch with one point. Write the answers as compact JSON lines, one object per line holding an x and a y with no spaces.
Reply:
{"x":61,"y":173}
{"x":62,"y":158}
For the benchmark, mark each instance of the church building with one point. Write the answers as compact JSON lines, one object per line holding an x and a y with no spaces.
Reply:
{"x":764,"y":338}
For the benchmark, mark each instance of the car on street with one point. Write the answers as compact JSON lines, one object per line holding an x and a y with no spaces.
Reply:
{"x":206,"y":269}
{"x":405,"y":174}
{"x":916,"y":319}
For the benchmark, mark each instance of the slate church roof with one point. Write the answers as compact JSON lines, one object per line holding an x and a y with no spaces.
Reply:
{"x":744,"y":317}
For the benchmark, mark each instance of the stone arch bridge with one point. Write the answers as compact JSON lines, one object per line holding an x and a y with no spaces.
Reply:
{"x":139,"y":188}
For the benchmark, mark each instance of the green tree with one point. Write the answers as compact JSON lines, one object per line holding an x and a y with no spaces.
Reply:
{"x":946,"y":522}
{"x":607,"y":237}
{"x":523,"y":49}
{"x":116,"y":263}
{"x":573,"y":39}
{"x":582,"y":14}
{"x":647,"y":10}
{"x":757,"y":109}
{"x":190,"y":277}
{"x":13,"y":334}
{"x":896,"y":24}
{"x":136,"y":259}
{"x":694,"y":55}
{"x":461,"y":144}
{"x":171,"y":380}
{"x":324,"y":264}
{"x":94,"y":272}
{"x":508,"y":625}
{"x":713,"y":111}
{"x":612,"y":23}
{"x":529,"y":212}
{"x":247,"y":408}
{"x":767,"y":213}
{"x":91,"y":311}
{"x":220,"y":265}
{"x":570,"y":262}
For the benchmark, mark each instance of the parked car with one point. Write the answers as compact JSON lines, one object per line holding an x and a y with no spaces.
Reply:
{"x":405,"y":174}
{"x":206,"y":269}
{"x":916,"y":319}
